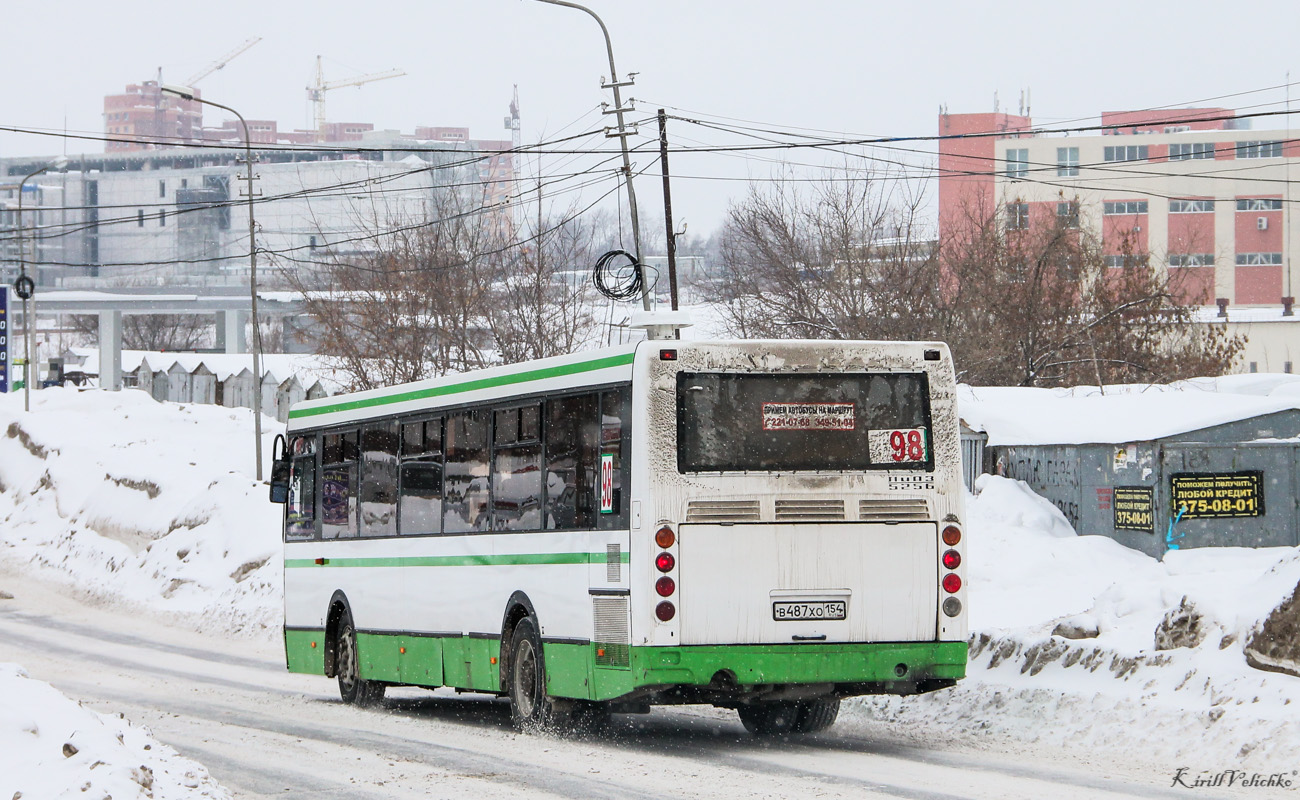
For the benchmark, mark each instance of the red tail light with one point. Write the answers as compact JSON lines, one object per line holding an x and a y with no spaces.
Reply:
{"x":952,"y":559}
{"x":665,"y":611}
{"x":664,"y":562}
{"x":665,"y":586}
{"x":951,"y":583}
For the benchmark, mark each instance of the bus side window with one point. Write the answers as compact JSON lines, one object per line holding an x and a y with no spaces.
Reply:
{"x":613,"y":464}
{"x":339,"y":486}
{"x":465,"y":474}
{"x":300,"y":513}
{"x":572,"y":442}
{"x":420,"y":499}
{"x":379,"y":479}
{"x":517,"y":469}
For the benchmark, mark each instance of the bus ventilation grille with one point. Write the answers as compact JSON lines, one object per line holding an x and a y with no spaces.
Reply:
{"x":809,"y":510}
{"x":722,"y":511}
{"x":613,"y":636}
{"x":613,"y":562}
{"x":902,"y":510}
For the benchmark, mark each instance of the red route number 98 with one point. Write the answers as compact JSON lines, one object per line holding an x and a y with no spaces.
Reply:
{"x":907,"y":445}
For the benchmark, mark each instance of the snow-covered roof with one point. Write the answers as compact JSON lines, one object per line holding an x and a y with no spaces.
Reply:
{"x":1126,"y":413}
{"x":281,"y":366}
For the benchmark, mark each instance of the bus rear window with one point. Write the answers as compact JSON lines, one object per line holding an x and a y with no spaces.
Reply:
{"x":729,"y":422}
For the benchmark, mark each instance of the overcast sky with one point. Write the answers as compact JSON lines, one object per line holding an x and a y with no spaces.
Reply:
{"x":862,"y":68}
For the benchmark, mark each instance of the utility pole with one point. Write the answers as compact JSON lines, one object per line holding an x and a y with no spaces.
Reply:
{"x":188,"y":93}
{"x":668,"y":212}
{"x":621,"y":134}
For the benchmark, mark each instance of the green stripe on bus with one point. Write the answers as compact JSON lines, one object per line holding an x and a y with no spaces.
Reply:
{"x":507,"y":560}
{"x":469,"y":386}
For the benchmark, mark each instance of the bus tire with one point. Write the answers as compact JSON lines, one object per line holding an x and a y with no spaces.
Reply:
{"x":770,"y":719}
{"x":531,"y":708}
{"x":817,"y":715}
{"x":352,"y":687}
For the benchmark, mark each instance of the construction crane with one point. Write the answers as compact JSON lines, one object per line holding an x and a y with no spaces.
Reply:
{"x":316,"y":92}
{"x":221,"y":62}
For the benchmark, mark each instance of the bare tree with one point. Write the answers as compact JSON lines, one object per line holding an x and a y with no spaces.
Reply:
{"x":848,"y":259}
{"x":543,"y":302}
{"x":1021,"y":301}
{"x":412,"y":307}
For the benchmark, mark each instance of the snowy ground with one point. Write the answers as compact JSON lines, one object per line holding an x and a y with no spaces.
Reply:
{"x":147,"y":509}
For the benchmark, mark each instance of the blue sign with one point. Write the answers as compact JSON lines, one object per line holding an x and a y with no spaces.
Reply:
{"x":4,"y":338}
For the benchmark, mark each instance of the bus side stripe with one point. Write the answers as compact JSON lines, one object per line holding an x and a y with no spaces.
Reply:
{"x":468,"y":386}
{"x":506,"y":560}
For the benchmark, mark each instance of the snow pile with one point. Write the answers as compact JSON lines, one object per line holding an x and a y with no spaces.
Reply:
{"x":54,"y":748}
{"x":144,"y":504}
{"x":1079,"y":642}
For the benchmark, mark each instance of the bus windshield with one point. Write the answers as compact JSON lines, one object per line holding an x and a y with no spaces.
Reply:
{"x":775,"y":423}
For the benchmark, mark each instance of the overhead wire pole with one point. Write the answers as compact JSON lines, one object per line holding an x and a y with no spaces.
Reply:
{"x":186,"y":93}
{"x":668,"y":209}
{"x":622,"y":135}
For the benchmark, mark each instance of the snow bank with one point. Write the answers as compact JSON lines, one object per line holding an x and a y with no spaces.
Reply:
{"x":1082,"y":643}
{"x":53,"y":748}
{"x":144,"y":504}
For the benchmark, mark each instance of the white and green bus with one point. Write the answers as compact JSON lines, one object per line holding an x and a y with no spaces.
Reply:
{"x":768,"y":526}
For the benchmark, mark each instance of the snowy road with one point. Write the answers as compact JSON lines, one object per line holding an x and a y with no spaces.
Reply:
{"x":263,"y":732}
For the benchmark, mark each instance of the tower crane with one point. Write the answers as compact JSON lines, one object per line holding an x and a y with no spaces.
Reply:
{"x":221,"y":62}
{"x":316,"y":92}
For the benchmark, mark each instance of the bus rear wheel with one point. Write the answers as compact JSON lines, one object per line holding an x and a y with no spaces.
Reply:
{"x":352,"y":687}
{"x":531,"y":708}
{"x":779,"y":718}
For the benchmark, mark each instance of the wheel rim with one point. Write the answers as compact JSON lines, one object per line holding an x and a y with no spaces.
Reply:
{"x":525,"y":678}
{"x":347,"y":661}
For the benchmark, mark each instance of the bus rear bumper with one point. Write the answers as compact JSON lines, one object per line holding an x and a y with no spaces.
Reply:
{"x":714,"y":673}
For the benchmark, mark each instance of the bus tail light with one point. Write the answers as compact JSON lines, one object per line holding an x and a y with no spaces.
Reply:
{"x":952,"y":606}
{"x":951,"y":535}
{"x":665,"y":537}
{"x":664,"y":562}
{"x":665,"y":586}
{"x":665,"y":611}
{"x":952,"y":559}
{"x":951,"y":583}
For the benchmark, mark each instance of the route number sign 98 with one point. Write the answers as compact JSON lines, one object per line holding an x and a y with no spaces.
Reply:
{"x":898,"y":446}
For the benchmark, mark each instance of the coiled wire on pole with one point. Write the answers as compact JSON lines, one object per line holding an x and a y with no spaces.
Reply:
{"x":621,"y":281}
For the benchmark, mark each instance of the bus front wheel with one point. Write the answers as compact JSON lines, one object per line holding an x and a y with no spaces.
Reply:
{"x":530,"y":707}
{"x":352,"y":687}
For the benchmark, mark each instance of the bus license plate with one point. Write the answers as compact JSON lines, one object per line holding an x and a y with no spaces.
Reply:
{"x":830,"y":609}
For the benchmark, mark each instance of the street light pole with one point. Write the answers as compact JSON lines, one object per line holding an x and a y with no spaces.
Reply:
{"x":614,"y":84}
{"x":186,"y":93}
{"x":27,"y":287}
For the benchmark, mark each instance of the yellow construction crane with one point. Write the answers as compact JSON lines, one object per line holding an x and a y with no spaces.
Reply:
{"x":221,"y":62}
{"x":316,"y":92}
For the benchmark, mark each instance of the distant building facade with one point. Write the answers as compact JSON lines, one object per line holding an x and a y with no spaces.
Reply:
{"x":177,"y":215}
{"x":1204,"y":194}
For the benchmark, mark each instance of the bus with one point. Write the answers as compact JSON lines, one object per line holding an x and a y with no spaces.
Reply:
{"x":765,"y":526}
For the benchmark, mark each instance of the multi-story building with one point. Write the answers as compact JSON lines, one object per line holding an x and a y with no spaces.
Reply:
{"x":177,"y":216}
{"x":1196,"y":189}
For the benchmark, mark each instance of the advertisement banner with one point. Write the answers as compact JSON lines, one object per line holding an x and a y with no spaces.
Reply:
{"x":1198,"y":495}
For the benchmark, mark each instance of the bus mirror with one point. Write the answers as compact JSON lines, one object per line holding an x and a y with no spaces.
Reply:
{"x":279,"y":471}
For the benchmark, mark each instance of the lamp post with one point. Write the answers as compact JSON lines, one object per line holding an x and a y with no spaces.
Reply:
{"x":614,"y":84}
{"x":186,"y":93}
{"x":26,"y":287}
